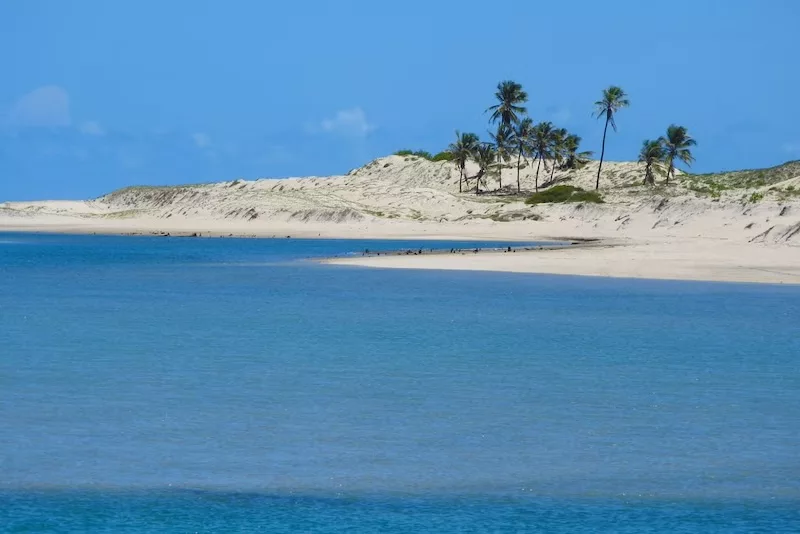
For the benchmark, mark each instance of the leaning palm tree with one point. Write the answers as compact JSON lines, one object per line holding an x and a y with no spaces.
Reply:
{"x":557,"y":149}
{"x":461,"y":151}
{"x":613,"y":100}
{"x":652,"y":155}
{"x":486,"y":157}
{"x":504,"y":146}
{"x":677,"y":144}
{"x":508,"y":110}
{"x":522,"y":139}
{"x":541,"y":143}
{"x":575,"y":159}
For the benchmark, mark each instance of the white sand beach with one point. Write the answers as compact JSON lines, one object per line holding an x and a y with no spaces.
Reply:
{"x":688,"y":231}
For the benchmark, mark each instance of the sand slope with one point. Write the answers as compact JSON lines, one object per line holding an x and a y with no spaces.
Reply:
{"x":724,"y":219}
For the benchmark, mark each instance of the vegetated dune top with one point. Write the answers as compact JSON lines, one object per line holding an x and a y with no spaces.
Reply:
{"x":754,"y":205}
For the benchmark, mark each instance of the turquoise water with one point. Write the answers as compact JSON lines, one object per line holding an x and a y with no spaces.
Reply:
{"x":166,"y":384}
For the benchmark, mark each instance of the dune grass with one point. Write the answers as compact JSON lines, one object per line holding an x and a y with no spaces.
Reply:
{"x":564,"y":193}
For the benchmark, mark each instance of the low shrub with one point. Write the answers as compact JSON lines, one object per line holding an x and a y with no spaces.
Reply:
{"x":755,"y":197}
{"x":564,"y":193}
{"x":592,"y":197}
{"x":418,"y":153}
{"x":443,"y":156}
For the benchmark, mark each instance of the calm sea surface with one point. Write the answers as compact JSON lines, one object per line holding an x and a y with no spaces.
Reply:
{"x":230,"y":385}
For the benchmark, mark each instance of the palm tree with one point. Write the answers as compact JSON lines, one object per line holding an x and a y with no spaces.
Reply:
{"x":522,"y":138}
{"x":462,"y":150}
{"x":677,"y":144}
{"x":510,"y":97}
{"x":652,"y":155}
{"x":486,"y":157}
{"x":541,"y":143}
{"x":613,"y":100}
{"x":504,"y":145}
{"x":557,"y":148}
{"x":575,"y":159}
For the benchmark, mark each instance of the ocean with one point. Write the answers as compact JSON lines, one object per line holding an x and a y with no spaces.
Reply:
{"x":157,"y":384}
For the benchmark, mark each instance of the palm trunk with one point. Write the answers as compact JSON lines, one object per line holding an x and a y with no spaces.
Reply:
{"x":539,"y":157}
{"x":553,"y":170}
{"x":671,"y":170}
{"x":500,"y":176}
{"x":602,"y":154}
{"x":460,"y":178}
{"x":646,"y":174}
{"x":519,"y":157}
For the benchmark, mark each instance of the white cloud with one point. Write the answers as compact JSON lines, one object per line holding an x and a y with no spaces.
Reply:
{"x":43,"y":107}
{"x":201,"y":140}
{"x":792,"y":148}
{"x":351,"y":122}
{"x":91,"y":128}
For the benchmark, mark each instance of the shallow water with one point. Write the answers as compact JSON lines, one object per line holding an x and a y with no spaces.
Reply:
{"x":164,"y":383}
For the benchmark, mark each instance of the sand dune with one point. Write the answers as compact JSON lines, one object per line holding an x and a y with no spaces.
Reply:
{"x":739,"y":227}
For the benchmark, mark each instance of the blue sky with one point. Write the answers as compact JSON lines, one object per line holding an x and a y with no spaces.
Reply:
{"x":96,"y":94}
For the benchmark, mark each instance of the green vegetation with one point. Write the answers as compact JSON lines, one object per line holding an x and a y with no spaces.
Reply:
{"x":713,"y":189}
{"x":664,"y":151}
{"x":542,"y":141}
{"x":652,"y":155}
{"x":756,"y":197}
{"x":677,"y":145}
{"x":564,"y":193}
{"x":521,"y":137}
{"x":418,"y":153}
{"x":574,"y":158}
{"x":486,"y":157}
{"x":424,"y":154}
{"x":509,"y":112}
{"x":749,"y":179}
{"x":461,"y":151}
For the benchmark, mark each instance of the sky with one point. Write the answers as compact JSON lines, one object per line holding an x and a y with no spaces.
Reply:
{"x":96,"y":95}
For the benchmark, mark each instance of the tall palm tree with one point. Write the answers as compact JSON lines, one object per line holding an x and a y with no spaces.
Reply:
{"x":486,"y":157}
{"x":652,"y":155}
{"x":522,"y":139}
{"x":508,"y":110}
{"x":613,"y":100}
{"x":677,"y":145}
{"x":541,"y":143}
{"x":504,"y":146}
{"x":575,"y":159}
{"x":557,"y":149}
{"x":462,"y":150}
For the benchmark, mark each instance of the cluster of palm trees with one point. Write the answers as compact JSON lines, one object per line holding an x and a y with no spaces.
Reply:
{"x":516,"y":135}
{"x":662,"y":152}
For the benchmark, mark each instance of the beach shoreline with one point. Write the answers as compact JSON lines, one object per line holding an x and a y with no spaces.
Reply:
{"x":699,"y":260}
{"x":716,"y":259}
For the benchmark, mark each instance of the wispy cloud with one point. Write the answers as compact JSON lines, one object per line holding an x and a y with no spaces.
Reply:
{"x":91,"y":128}
{"x":348,"y":122}
{"x":46,"y":106}
{"x":201,"y":140}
